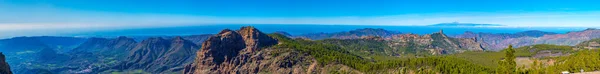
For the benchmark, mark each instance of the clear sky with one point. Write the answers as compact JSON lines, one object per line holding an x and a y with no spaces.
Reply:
{"x":85,"y":15}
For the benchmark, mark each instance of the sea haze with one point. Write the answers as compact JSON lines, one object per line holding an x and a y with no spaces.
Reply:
{"x":298,"y":29}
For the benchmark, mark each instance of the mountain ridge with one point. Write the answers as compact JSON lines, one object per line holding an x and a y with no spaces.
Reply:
{"x":352,"y":34}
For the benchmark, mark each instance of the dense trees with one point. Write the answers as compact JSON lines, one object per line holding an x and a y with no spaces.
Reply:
{"x":329,"y":52}
{"x":587,"y":60}
{"x":508,"y":65}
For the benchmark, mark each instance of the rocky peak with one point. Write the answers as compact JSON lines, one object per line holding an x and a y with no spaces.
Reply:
{"x":4,"y":67}
{"x":178,"y":39}
{"x":123,"y":38}
{"x":222,"y":52}
{"x":154,"y":40}
{"x":255,"y":39}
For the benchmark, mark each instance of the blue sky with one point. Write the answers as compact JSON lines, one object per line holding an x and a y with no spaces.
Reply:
{"x":52,"y":16}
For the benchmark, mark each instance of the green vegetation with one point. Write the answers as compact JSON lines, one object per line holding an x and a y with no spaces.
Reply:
{"x":584,"y":44}
{"x":329,"y":53}
{"x":374,"y":57}
{"x":362,"y":47}
{"x":508,"y":65}
{"x":587,"y":60}
{"x":489,"y":59}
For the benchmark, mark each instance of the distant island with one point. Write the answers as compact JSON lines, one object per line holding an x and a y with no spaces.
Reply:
{"x":457,"y":24}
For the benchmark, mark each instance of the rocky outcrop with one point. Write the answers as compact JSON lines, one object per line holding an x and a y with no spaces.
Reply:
{"x":231,"y":52}
{"x":4,"y":67}
{"x":354,"y":34}
{"x":159,"y":55}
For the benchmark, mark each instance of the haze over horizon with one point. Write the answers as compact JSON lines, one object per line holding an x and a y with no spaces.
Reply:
{"x":46,"y":17}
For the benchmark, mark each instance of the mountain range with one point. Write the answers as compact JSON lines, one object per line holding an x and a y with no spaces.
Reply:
{"x":248,"y":50}
{"x":500,"y":41}
{"x":99,"y":55}
{"x":457,"y":24}
{"x":353,"y":34}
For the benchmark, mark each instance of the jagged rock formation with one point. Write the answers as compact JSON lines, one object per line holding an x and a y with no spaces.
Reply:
{"x":436,"y":43}
{"x":354,"y":34}
{"x":237,"y":52}
{"x":4,"y":67}
{"x":158,"y":55}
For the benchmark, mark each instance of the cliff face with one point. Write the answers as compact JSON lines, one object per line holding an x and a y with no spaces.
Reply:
{"x":436,"y":43}
{"x":4,"y":68}
{"x":233,"y":52}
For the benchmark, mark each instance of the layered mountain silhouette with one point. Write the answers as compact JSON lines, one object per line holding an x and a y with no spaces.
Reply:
{"x":159,"y":55}
{"x":63,"y":44}
{"x":497,"y":41}
{"x":500,"y":41}
{"x":106,"y":47}
{"x":457,"y":24}
{"x":354,"y":34}
{"x":248,"y":50}
{"x":4,"y":67}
